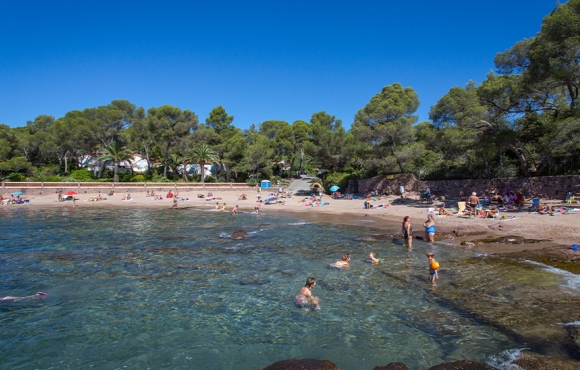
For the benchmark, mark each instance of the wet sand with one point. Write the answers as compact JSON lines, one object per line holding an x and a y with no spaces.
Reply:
{"x":562,"y":229}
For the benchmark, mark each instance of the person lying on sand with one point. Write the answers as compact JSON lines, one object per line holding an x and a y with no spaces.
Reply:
{"x":490,"y":213}
{"x":545,"y":209}
{"x":443,"y":211}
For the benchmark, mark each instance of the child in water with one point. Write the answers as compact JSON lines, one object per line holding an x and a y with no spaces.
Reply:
{"x":343,"y":262}
{"x":373,"y":259}
{"x":433,"y":267}
{"x":235,"y":210}
{"x":305,"y":297}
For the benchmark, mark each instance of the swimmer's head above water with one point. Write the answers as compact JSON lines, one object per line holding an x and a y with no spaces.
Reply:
{"x":310,"y":282}
{"x":346,"y":257}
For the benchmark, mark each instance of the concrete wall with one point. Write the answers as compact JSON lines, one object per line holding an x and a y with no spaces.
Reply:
{"x":545,"y":187}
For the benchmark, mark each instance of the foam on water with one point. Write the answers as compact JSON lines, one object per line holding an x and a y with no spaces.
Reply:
{"x":572,"y":280}
{"x":504,"y":360}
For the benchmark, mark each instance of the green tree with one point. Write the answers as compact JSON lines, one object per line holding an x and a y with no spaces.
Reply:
{"x":219,"y":120}
{"x":116,"y":152}
{"x":385,"y":124}
{"x":203,"y":154}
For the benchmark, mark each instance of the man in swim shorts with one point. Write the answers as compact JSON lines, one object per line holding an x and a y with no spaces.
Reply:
{"x":473,"y":202}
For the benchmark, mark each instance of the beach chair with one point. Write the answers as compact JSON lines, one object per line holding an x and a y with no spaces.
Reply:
{"x":461,"y":206}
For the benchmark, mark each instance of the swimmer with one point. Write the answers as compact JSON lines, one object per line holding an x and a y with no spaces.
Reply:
{"x":433,"y":267}
{"x":235,"y":210}
{"x":342,"y":263}
{"x":305,"y":297}
{"x":224,"y":208}
{"x":373,"y":259}
{"x":15,"y":299}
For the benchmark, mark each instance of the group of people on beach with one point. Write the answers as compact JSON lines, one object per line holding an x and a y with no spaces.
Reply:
{"x":304,"y":298}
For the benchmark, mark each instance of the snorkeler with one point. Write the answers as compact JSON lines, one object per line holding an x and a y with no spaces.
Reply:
{"x":343,"y":262}
{"x":305,"y":297}
{"x":16,"y":299}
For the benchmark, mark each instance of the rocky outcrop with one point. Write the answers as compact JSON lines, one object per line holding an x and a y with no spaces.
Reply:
{"x":462,"y":365}
{"x":302,"y":364}
{"x":239,"y":234}
{"x":392,"y":366}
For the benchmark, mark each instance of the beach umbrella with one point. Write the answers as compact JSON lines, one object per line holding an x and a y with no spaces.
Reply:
{"x":334,"y":188}
{"x":17,"y":193}
{"x":71,"y":193}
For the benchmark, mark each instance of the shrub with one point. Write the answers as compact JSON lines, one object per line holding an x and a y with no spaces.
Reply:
{"x":53,"y":178}
{"x":252,"y":182}
{"x":210,"y":179}
{"x":138,"y":178}
{"x":82,"y":175}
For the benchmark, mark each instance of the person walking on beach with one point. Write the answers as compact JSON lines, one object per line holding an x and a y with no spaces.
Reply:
{"x":473,"y":202}
{"x":433,"y":267}
{"x":407,"y":231}
{"x":257,"y":207}
{"x":60,"y":195}
{"x":429,"y":226}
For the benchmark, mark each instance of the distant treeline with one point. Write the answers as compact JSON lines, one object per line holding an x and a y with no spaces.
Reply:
{"x":523,"y":120}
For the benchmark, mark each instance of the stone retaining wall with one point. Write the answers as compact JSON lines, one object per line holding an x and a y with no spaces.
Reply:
{"x":545,"y":187}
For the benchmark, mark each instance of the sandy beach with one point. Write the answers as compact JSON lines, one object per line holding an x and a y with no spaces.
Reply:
{"x":559,"y":230}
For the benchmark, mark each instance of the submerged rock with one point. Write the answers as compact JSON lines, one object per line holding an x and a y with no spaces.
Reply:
{"x":253,"y":281}
{"x":462,"y":365}
{"x":239,"y":234}
{"x":302,"y":364}
{"x":534,"y":361}
{"x":392,"y":366}
{"x":370,"y":238}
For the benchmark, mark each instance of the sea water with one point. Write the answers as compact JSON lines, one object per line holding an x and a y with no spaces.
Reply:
{"x":159,"y":288}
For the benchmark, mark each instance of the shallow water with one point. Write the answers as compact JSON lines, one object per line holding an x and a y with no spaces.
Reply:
{"x":149,"y":288}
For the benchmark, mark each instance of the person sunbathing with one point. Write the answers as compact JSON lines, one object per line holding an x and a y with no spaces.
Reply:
{"x":490,"y":213}
{"x":443,"y":211}
{"x":545,"y":209}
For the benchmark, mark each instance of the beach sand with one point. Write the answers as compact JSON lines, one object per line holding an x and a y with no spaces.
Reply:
{"x":560,"y":230}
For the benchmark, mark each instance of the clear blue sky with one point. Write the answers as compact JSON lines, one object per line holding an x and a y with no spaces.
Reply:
{"x":260,"y":60}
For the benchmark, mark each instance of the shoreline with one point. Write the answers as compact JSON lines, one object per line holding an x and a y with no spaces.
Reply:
{"x":553,"y":231}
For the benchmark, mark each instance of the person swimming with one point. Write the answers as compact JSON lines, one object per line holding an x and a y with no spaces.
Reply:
{"x":305,"y":297}
{"x":373,"y":259}
{"x":343,"y":262}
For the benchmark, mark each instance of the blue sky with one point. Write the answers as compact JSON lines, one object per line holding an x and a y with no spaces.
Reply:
{"x":260,"y":60}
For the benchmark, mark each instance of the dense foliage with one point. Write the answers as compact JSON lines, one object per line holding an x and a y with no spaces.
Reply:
{"x":523,"y":120}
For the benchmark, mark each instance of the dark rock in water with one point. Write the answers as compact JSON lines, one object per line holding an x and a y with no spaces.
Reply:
{"x":302,"y":364}
{"x":511,"y":239}
{"x":534,"y":361}
{"x":462,"y":365}
{"x":370,"y":238}
{"x":239,"y":234}
{"x":240,"y":249}
{"x":392,"y":366}
{"x":253,"y":281}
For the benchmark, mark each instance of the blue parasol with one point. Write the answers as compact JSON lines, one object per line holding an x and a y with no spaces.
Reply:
{"x":17,"y":193}
{"x":334,"y":188}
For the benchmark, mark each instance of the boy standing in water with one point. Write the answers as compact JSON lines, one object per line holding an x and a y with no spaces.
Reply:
{"x":433,"y":267}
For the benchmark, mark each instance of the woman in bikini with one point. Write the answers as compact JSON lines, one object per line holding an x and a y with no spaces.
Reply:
{"x":305,"y":297}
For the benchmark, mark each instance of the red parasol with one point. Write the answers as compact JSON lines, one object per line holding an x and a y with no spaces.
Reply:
{"x":71,"y":193}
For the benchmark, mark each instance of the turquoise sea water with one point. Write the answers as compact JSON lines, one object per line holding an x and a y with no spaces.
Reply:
{"x":150,"y":288}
